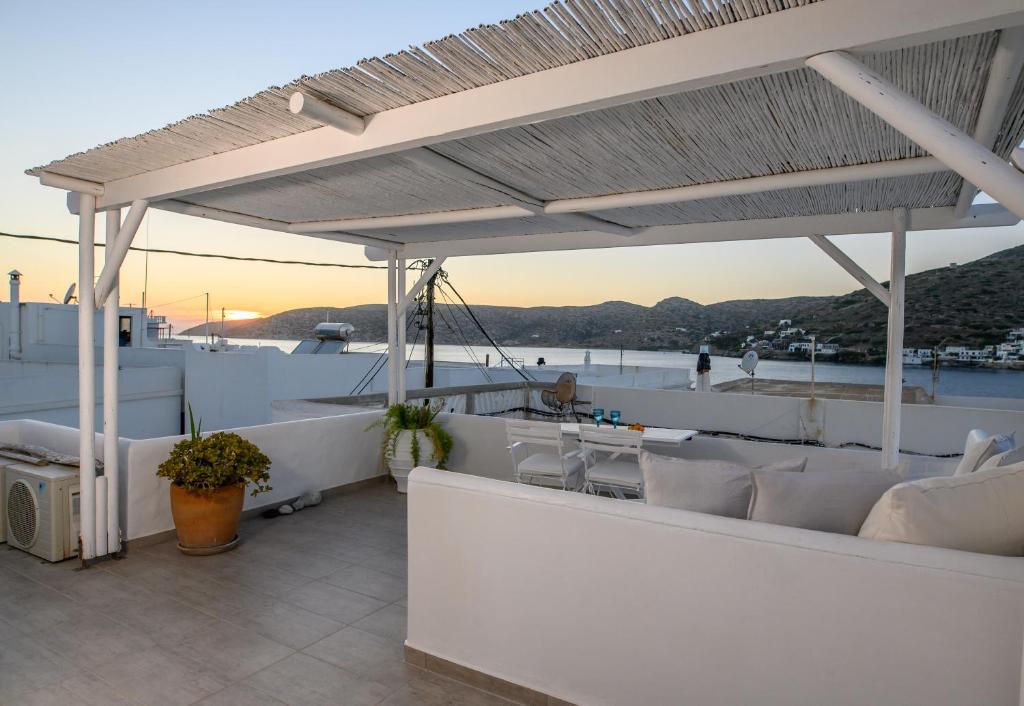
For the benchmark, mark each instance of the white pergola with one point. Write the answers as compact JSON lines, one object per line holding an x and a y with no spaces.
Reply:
{"x":598,"y":125}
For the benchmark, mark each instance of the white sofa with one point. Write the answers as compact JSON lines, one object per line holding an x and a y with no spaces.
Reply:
{"x":598,"y":601}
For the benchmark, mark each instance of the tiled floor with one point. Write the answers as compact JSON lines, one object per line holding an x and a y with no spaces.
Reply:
{"x":310,"y":609}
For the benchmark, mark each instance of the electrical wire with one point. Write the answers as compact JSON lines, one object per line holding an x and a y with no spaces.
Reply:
{"x":238,"y":258}
{"x":523,"y":374}
{"x":457,"y":330}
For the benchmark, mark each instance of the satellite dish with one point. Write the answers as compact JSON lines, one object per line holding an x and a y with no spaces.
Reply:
{"x":70,"y":294}
{"x":747,"y":364}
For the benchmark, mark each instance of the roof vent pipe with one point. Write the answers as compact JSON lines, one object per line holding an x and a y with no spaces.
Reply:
{"x":15,"y":336}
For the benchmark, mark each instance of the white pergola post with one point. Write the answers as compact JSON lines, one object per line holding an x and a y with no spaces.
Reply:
{"x":86,"y":373}
{"x":392,"y":327}
{"x":957,"y":150}
{"x":400,"y":325}
{"x":108,"y":528}
{"x":893,"y":399}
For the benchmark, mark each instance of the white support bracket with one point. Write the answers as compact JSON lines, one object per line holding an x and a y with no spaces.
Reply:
{"x":855,"y":270}
{"x":1007,"y":64}
{"x":326,"y":113}
{"x":117,"y":251}
{"x":431,"y":270}
{"x":974,"y":162}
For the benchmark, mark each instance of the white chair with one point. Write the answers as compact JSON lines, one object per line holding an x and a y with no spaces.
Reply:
{"x":560,"y":467}
{"x":611,"y":461}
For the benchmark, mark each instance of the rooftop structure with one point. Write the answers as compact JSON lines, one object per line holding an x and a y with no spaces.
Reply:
{"x":617,"y":124}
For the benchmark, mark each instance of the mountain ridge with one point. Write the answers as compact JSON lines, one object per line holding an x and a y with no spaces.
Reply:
{"x":971,"y":304}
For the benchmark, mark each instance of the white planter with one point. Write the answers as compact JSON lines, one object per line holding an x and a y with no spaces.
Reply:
{"x":402,"y":462}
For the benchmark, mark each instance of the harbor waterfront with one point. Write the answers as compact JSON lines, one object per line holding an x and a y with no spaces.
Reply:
{"x":964,"y":382}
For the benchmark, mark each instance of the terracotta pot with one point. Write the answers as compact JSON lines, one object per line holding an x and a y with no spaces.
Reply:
{"x":209,"y":520}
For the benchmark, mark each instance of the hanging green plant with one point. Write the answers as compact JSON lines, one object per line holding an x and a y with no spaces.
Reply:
{"x":411,"y":417}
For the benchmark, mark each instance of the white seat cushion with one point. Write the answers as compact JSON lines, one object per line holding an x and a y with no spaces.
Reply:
{"x":703,"y":485}
{"x":827,"y":501}
{"x":978,"y":512}
{"x":626,"y":473}
{"x":548,"y":464}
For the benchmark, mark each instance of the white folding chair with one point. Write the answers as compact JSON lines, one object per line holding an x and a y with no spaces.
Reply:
{"x":558,"y":467}
{"x":611,"y":461}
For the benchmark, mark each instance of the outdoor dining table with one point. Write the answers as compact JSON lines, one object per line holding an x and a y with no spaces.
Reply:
{"x":651,"y":435}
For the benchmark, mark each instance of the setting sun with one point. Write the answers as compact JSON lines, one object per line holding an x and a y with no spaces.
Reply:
{"x":241,"y":314}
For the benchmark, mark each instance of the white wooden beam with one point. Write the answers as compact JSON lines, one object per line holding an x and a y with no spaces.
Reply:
{"x":980,"y":216}
{"x":81,"y":186}
{"x":108,"y":529}
{"x":438,"y":162}
{"x":117,"y":251}
{"x":463,"y":215}
{"x":956,"y":149}
{"x":855,"y":270}
{"x":893,"y":395}
{"x":312,"y":107}
{"x":430,"y":271}
{"x":752,"y":185}
{"x":86,"y":375}
{"x":1003,"y":73}
{"x":241,"y":219}
{"x":764,"y":45}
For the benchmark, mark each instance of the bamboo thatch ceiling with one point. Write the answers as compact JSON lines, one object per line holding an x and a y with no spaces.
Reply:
{"x":564,"y":32}
{"x":782,"y":123}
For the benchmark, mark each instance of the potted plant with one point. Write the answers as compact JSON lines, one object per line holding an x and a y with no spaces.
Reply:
{"x":208,"y":477}
{"x":413,"y":437}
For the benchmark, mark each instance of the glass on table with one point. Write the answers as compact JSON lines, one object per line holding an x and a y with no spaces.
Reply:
{"x":598,"y":416}
{"x":614,"y":416}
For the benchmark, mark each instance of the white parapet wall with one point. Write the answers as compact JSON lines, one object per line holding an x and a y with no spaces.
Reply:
{"x":310,"y":454}
{"x":926,"y":429}
{"x":598,"y":601}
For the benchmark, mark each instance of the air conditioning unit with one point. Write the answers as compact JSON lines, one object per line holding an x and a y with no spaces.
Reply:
{"x":42,"y":504}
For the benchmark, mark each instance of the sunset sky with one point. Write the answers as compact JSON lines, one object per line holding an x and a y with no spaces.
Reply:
{"x":77,"y":76}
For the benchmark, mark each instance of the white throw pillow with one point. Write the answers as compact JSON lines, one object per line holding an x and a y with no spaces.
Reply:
{"x":827,"y":501}
{"x":1007,"y":458}
{"x":980,"y":512}
{"x":979,"y":448}
{"x":713,"y":487}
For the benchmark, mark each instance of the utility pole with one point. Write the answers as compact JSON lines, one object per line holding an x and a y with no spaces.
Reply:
{"x":222,"y":314}
{"x":207,"y":327}
{"x":428,"y":374}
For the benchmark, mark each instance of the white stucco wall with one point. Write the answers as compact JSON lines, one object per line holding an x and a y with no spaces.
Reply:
{"x":150,"y":398}
{"x":599,"y":601}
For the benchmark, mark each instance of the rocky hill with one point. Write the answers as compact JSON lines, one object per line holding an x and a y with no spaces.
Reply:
{"x":972,"y":304}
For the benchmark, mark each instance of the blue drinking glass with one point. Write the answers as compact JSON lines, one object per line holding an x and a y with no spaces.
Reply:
{"x":598,"y":416}
{"x":615,"y":415}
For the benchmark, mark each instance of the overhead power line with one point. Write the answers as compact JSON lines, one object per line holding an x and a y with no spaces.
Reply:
{"x":160,"y":251}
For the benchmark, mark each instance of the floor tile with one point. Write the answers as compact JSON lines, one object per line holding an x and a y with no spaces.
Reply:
{"x":27,"y":666}
{"x":423,"y":688}
{"x":231,"y":651}
{"x":362,"y":653}
{"x":388,"y":622}
{"x":81,"y":690}
{"x":286,"y":623}
{"x":158,"y":677}
{"x":373,"y":583}
{"x":333,"y":602}
{"x":241,"y":695}
{"x":301,"y":680}
{"x":394,"y":563}
{"x":89,"y":638}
